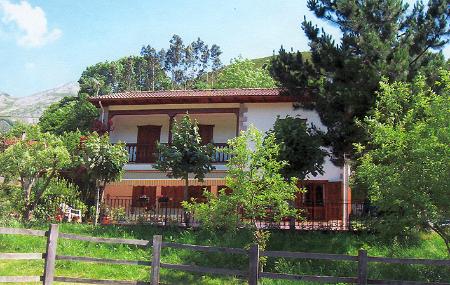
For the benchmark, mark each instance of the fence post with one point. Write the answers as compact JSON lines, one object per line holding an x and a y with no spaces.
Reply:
{"x":156,"y":259}
{"x":362,"y":267}
{"x":253,"y":265}
{"x":50,"y":257}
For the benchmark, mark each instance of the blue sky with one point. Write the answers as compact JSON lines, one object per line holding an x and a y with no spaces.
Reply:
{"x":44,"y":44}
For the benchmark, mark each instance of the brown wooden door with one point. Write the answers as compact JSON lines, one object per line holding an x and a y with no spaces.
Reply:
{"x":312,"y":201}
{"x":146,"y":143}
{"x":206,"y":133}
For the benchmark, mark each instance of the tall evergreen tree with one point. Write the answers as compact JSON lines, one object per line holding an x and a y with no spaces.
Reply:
{"x":379,"y":39}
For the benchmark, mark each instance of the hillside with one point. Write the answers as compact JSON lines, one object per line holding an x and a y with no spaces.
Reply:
{"x":30,"y":108}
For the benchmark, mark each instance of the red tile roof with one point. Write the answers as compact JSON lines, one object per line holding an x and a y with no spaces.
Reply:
{"x":240,"y":95}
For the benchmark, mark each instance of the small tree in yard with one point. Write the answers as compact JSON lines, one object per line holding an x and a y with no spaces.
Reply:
{"x":406,"y":164}
{"x":257,"y":187}
{"x":102,"y":161}
{"x":185,"y":155}
{"x":31,"y":157}
{"x":300,"y":146}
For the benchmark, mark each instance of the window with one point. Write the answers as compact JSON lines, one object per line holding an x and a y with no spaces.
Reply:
{"x":313,"y":195}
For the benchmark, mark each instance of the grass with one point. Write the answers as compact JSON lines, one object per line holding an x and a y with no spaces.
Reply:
{"x":428,"y":246}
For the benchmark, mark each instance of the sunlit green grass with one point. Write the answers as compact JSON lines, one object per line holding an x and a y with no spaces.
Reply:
{"x":429,"y":246}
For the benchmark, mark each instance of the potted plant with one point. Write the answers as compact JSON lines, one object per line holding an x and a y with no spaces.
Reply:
{"x":105,"y":215}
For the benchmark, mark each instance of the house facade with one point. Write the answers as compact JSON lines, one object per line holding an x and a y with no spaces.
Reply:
{"x":140,"y":119}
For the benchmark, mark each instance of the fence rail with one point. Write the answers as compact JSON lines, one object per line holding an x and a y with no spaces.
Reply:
{"x":253,"y":274}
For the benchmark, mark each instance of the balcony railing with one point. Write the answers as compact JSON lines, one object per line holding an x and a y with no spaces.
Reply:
{"x":146,"y":153}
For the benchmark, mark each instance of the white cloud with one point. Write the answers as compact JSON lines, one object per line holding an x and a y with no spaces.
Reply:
{"x":30,"y":23}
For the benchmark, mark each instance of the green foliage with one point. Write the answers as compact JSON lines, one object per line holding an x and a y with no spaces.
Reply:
{"x":69,"y":115}
{"x":178,"y":67}
{"x":125,"y":74}
{"x":380,"y":38}
{"x":58,"y":191}
{"x":257,"y":187}
{"x":243,"y":73}
{"x":102,"y":160}
{"x":300,"y":146}
{"x":186,"y":153}
{"x":406,"y":164}
{"x":11,"y":203}
{"x":33,"y":159}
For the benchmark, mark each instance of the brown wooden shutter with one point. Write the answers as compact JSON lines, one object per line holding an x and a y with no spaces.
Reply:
{"x":206,"y":133}
{"x":146,"y":143}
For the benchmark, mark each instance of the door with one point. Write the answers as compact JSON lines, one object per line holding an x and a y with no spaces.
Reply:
{"x":312,"y":201}
{"x":146,"y":143}
{"x":206,"y":133}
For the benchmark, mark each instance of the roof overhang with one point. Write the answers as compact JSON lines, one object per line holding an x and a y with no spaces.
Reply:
{"x":269,"y":95}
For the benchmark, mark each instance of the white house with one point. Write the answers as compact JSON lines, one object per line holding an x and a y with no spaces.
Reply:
{"x":141,"y":118}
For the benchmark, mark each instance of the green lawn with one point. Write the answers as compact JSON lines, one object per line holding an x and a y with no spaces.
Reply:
{"x":429,"y":246}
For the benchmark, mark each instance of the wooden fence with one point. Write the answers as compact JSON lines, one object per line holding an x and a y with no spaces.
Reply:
{"x":253,"y":274}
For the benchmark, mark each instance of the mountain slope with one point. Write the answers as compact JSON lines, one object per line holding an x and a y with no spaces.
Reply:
{"x":30,"y":108}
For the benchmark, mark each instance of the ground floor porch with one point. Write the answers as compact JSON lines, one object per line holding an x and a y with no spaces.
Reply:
{"x":324,"y":205}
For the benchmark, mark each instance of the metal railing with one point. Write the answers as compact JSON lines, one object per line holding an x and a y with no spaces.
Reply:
{"x":146,"y":153}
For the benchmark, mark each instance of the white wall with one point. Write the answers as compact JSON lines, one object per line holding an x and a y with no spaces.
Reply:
{"x":260,"y":115}
{"x":224,"y":125}
{"x":125,"y":127}
{"x":263,"y":116}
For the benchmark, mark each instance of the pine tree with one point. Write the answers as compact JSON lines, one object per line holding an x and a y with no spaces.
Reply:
{"x":380,"y":39}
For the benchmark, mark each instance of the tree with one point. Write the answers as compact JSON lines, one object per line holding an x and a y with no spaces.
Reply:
{"x":185,"y":155}
{"x":379,"y":39}
{"x":68,"y":115}
{"x":406,"y":163}
{"x":300,"y":146}
{"x":174,"y":60}
{"x":177,"y":67}
{"x":242,"y":73}
{"x":154,"y":74}
{"x":102,"y":161}
{"x":257,"y":187}
{"x":32,"y":158}
{"x":216,"y":63}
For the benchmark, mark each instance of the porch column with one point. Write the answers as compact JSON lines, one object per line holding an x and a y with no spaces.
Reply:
{"x":171,"y":119}
{"x":214,"y":190}
{"x":241,"y":118}
{"x":157,"y":195}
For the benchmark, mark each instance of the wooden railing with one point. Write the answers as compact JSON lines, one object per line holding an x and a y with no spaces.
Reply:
{"x":252,"y":275}
{"x":146,"y":153}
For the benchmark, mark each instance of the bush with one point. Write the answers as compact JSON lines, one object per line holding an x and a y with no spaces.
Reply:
{"x":58,"y":193}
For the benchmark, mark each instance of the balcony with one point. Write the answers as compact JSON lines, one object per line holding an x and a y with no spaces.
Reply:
{"x":146,"y":153}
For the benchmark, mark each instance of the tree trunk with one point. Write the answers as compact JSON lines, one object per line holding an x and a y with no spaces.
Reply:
{"x":97,"y":203}
{"x":292,"y":219}
{"x":186,"y":216}
{"x":27,"y":186}
{"x":32,"y":205}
